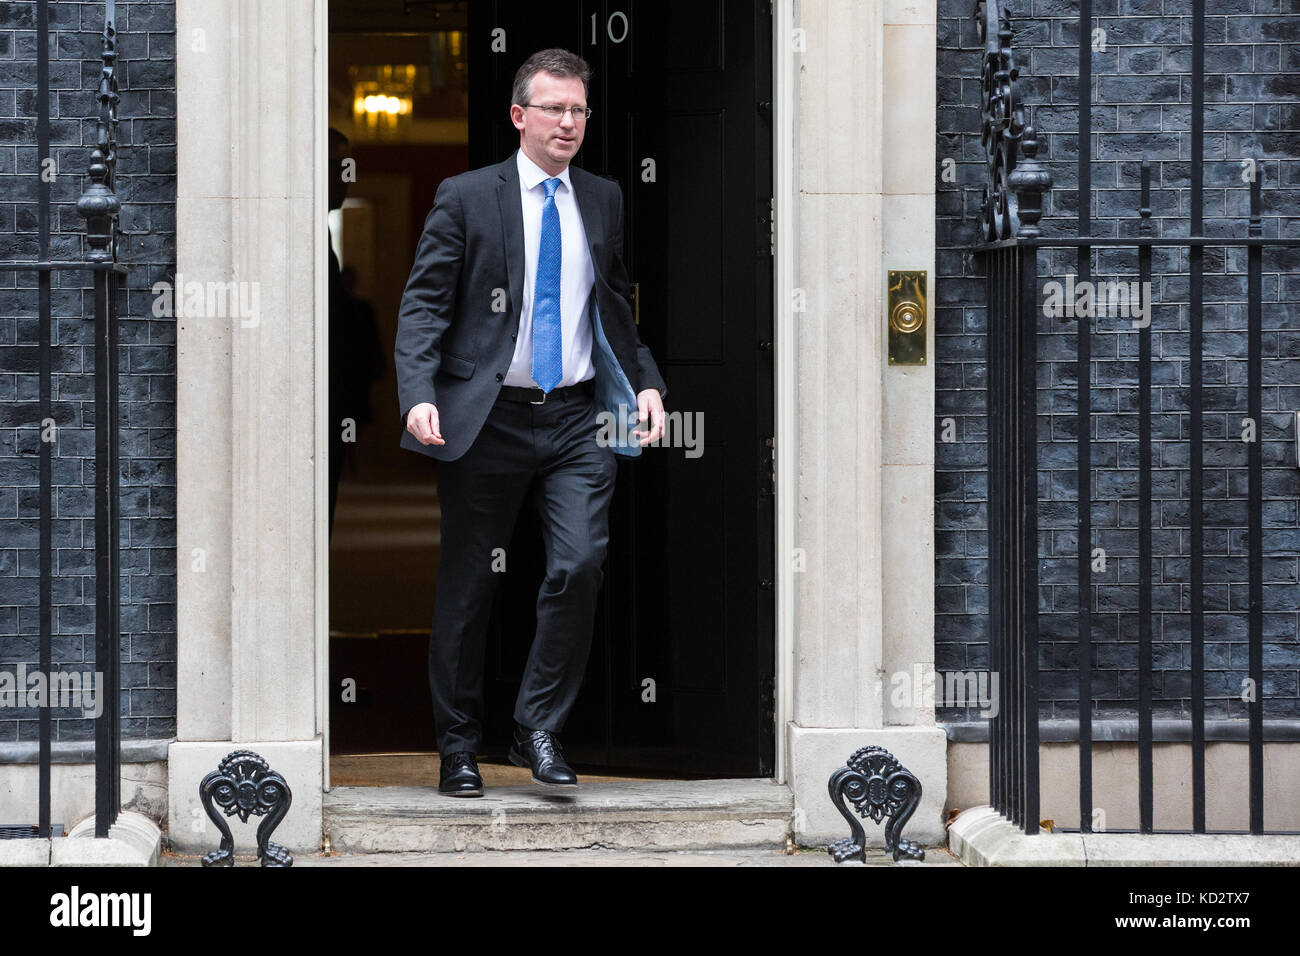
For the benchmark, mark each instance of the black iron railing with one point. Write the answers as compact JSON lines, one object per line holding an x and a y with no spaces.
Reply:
{"x":100,"y":207}
{"x":1008,"y":247}
{"x":1011,"y":291}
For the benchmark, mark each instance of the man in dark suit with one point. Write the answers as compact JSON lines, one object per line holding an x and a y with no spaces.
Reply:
{"x":515,"y":337}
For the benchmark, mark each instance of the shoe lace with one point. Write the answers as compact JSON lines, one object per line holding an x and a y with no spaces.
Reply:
{"x":546,"y":743}
{"x":461,"y":758}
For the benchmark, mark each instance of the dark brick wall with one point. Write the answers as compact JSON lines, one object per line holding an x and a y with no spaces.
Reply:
{"x":147,"y":186}
{"x":1141,"y":103}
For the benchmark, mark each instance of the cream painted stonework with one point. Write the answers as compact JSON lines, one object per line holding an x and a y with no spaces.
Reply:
{"x":249,"y":111}
{"x":855,"y":486}
{"x":864,"y":183}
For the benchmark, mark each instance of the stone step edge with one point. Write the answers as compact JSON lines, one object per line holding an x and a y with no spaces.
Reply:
{"x":980,"y":836}
{"x":518,"y":816}
{"x":713,"y":832}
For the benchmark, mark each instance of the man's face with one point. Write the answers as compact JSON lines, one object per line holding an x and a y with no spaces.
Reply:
{"x":547,"y":141}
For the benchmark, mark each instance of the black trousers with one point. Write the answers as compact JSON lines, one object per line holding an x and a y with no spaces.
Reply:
{"x":548,"y":455}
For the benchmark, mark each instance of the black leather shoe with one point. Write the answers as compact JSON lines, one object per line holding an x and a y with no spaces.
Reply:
{"x":458,"y":775}
{"x":539,"y":750}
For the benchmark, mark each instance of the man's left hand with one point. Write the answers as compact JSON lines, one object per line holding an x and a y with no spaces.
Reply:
{"x":650,"y":405}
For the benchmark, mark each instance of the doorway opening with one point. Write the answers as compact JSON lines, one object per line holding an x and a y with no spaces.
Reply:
{"x":680,"y":679}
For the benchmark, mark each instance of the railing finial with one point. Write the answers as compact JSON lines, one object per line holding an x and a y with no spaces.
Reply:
{"x":1002,"y":129}
{"x":1029,"y":180}
{"x":99,"y":204}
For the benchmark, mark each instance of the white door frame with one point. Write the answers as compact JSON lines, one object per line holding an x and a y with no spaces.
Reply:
{"x":320,"y":78}
{"x":784,"y":191}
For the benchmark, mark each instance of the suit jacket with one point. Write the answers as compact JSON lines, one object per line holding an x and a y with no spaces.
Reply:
{"x":459,"y":319}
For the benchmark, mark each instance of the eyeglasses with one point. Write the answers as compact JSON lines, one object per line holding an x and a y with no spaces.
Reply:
{"x":555,"y":111}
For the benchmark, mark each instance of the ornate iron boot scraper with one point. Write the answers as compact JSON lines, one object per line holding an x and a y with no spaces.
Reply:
{"x":877,"y":786}
{"x":245,"y":784}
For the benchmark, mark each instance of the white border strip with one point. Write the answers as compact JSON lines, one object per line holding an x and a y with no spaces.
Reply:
{"x":321,"y":398}
{"x":785,"y":194}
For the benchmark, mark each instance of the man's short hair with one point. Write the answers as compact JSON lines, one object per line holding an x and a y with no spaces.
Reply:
{"x":555,"y":61}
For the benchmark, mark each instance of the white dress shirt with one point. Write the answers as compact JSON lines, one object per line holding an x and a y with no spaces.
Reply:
{"x":577,"y":275}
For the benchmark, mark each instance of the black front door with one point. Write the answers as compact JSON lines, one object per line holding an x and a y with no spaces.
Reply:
{"x":681,"y":673}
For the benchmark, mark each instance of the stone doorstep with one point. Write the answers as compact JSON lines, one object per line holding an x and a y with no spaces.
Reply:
{"x":766,"y":856}
{"x":134,"y":840}
{"x":643,"y":814}
{"x":981,"y":837}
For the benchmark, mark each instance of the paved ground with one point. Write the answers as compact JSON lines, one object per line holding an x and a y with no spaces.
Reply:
{"x":934,"y":856}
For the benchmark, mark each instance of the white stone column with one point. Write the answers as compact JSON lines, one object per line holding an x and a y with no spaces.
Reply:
{"x":908,"y":130}
{"x":865,"y":131}
{"x":247,"y":105}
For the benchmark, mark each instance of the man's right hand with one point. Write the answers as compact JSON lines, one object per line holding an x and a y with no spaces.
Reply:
{"x":422,"y":422}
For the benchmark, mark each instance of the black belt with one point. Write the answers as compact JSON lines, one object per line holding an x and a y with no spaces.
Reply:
{"x":535,"y":396}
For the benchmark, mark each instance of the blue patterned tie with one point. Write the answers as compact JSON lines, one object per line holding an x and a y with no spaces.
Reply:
{"x":548,"y":363}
